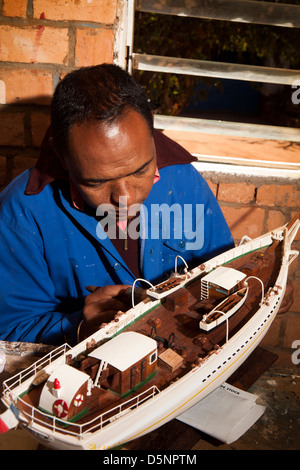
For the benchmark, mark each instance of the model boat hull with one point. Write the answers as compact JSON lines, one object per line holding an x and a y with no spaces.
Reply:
{"x":155,"y":405}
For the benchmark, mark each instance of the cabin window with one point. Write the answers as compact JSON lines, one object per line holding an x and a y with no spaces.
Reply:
{"x":152,"y":357}
{"x":222,"y":291}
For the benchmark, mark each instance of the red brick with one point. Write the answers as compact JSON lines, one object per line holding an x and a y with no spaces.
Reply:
{"x":39,"y":124}
{"x":288,"y":196}
{"x":31,"y":86}
{"x":241,"y":193}
{"x":275,"y":219}
{"x":244,"y":221}
{"x":12,"y":129}
{"x":22,"y":163}
{"x":292,"y":330}
{"x":284,"y":196}
{"x":296,"y":304}
{"x":34,"y":44}
{"x":297,"y":237}
{"x":99,"y":11}
{"x":14,"y":8}
{"x":93,"y":46}
{"x":284,"y":360}
{"x":266,"y":195}
{"x":2,"y":169}
{"x":213,"y":187}
{"x":2,"y":91}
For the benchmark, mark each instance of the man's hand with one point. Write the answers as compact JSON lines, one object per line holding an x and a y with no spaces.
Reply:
{"x":101,"y":306}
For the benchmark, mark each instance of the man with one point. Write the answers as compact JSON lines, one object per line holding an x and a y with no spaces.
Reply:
{"x":92,"y":212}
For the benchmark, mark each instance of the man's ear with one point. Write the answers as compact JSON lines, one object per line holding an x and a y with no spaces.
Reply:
{"x":62,"y":160}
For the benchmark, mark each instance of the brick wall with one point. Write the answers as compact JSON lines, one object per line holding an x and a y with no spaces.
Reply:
{"x":41,"y":41}
{"x":253,"y":206}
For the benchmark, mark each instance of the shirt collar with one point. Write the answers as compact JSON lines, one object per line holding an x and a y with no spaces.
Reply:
{"x":49,"y":167}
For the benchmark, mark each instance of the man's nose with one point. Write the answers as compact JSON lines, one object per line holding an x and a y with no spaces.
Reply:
{"x":123,"y":193}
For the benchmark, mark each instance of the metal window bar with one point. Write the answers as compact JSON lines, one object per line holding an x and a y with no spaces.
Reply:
{"x":210,"y":126}
{"x":207,"y":68}
{"x":244,"y":11}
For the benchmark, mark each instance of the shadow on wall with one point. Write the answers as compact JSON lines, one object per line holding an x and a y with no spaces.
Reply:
{"x":23,"y":124}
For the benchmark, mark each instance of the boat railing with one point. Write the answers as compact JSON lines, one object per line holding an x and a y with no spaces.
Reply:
{"x":32,"y":370}
{"x":80,"y":430}
{"x":239,"y":250}
{"x":121,"y":409}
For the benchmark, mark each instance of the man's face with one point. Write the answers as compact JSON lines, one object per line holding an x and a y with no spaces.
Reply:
{"x":107,"y":161}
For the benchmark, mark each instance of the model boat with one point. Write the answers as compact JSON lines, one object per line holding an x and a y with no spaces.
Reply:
{"x":153,"y":362}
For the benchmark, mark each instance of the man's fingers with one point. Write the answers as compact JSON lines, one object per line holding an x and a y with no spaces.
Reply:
{"x":94,"y":308}
{"x":107,"y":291}
{"x":102,"y":305}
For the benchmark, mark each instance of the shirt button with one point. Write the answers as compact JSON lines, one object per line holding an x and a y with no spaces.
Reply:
{"x":182,"y":244}
{"x":116,"y":266}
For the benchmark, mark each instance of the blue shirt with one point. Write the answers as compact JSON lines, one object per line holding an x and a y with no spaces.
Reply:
{"x":50,"y":251}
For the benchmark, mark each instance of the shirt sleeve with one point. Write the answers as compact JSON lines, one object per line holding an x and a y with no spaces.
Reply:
{"x":29,"y":308}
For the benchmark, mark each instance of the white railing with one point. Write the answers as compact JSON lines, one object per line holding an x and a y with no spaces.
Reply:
{"x":25,"y":374}
{"x":58,"y":425}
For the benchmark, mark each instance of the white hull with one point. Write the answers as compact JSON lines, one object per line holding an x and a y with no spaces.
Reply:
{"x":183,"y":393}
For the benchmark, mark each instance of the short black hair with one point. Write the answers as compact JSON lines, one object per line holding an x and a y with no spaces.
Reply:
{"x":98,"y":93}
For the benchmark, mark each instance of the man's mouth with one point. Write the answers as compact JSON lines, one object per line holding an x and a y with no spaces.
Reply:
{"x":128,"y":213}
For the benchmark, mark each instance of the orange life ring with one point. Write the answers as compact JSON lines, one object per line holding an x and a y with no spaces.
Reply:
{"x":78,"y":400}
{"x":61,"y":408}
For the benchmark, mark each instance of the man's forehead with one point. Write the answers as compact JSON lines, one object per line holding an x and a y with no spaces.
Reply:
{"x":120,"y":148}
{"x":131,"y":127}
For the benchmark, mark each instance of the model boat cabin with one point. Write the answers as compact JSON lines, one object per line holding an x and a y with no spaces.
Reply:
{"x":125,"y":361}
{"x":120,"y":365}
{"x":221,"y":282}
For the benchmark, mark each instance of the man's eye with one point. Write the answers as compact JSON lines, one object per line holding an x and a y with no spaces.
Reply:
{"x":142,"y":171}
{"x":94,"y":185}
